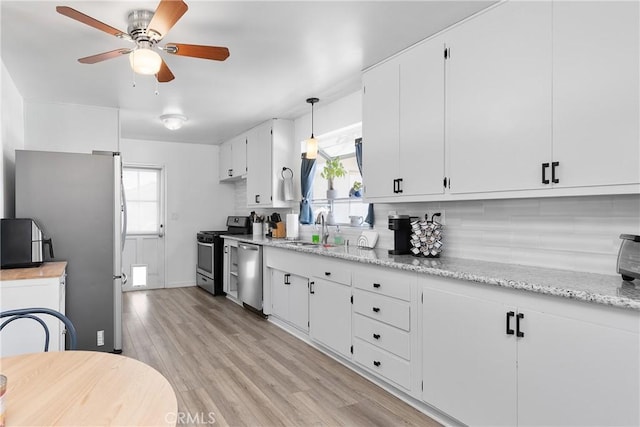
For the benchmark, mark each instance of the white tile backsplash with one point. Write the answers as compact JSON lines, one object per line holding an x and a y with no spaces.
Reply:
{"x":574,"y":233}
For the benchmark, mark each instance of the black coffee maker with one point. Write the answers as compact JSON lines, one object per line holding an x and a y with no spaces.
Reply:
{"x":401,"y":226}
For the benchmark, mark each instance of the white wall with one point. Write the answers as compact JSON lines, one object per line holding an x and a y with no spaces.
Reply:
{"x":195,"y":200}
{"x":12,"y":138}
{"x":70,"y":128}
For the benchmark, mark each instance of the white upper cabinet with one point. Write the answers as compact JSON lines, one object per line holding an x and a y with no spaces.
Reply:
{"x":233,"y":158}
{"x":422,"y":119}
{"x":268,"y":150}
{"x":596,"y":91}
{"x":499,"y":98}
{"x":380,"y":130}
{"x":403,"y":124}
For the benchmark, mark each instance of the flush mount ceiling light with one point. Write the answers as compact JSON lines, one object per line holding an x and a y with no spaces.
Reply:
{"x":173,"y":121}
{"x":145,"y":61}
{"x":312,"y":143}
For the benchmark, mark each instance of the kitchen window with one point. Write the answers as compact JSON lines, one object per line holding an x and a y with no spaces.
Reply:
{"x":338,"y":144}
{"x":142,"y":191}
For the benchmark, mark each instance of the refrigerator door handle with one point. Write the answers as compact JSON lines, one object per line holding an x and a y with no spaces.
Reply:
{"x":124,"y":278}
{"x":124,"y":216}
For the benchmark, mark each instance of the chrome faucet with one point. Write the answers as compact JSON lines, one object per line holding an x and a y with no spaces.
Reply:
{"x":324,"y":228}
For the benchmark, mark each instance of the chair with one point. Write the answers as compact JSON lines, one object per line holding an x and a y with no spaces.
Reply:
{"x":29,"y":313}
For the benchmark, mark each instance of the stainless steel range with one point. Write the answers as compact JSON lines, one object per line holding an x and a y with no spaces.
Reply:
{"x":209,"y":250}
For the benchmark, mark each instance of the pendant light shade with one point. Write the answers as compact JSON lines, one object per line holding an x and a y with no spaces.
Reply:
{"x":312,"y":143}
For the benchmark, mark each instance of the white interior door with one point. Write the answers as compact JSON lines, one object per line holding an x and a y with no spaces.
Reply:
{"x":143,"y":258}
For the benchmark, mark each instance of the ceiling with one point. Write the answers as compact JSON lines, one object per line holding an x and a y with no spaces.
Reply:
{"x":280,"y":54}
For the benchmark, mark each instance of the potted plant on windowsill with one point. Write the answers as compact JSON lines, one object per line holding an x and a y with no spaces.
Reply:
{"x":333,"y":168}
{"x":356,"y":189}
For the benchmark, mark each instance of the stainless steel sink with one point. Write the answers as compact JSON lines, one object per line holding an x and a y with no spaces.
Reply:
{"x":305,"y":243}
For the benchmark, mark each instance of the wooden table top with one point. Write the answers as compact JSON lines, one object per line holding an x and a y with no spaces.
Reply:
{"x":87,"y":388}
{"x":46,"y":270}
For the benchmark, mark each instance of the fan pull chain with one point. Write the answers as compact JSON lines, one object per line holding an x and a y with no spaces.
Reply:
{"x":133,"y":78}
{"x":157,"y":92}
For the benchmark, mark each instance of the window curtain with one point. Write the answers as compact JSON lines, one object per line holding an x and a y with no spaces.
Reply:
{"x":307,"y":173}
{"x":370,"y":219}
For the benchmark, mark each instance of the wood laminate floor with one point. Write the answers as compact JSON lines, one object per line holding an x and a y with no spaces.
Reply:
{"x":230,"y":367}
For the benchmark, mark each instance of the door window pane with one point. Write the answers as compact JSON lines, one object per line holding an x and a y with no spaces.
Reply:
{"x":142,"y":191}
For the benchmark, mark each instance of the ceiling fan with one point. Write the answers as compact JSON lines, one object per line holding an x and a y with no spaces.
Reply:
{"x":146,"y":29}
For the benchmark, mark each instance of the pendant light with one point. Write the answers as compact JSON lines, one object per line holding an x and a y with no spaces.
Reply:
{"x":312,"y":143}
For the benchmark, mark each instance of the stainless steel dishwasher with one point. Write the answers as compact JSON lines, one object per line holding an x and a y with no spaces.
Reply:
{"x":250,"y":275}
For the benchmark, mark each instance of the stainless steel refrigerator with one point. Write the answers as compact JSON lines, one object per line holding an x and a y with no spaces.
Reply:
{"x":78,"y":201}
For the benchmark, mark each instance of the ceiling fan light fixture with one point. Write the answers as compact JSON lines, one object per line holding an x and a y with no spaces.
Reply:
{"x":145,"y":61}
{"x":173,"y":121}
{"x":312,"y":143}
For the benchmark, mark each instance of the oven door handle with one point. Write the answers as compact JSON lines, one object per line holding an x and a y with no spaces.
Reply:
{"x":206,"y":244}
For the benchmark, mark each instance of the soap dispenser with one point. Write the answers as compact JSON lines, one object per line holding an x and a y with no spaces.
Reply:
{"x":337,"y":237}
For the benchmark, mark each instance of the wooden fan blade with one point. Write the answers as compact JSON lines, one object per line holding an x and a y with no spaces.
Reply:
{"x":216,"y":53}
{"x":165,"y":17}
{"x":104,"y":56}
{"x":86,"y":19}
{"x":164,"y":75}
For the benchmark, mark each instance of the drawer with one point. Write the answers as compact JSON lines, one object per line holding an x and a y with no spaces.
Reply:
{"x":382,"y":363}
{"x":381,"y":335}
{"x":329,"y":269}
{"x":382,"y":308}
{"x":384,"y":281}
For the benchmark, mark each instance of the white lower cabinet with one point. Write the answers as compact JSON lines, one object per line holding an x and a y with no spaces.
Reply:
{"x":24,"y":335}
{"x":493,"y":356}
{"x":290,"y":298}
{"x":330,"y":315}
{"x":385,"y":337}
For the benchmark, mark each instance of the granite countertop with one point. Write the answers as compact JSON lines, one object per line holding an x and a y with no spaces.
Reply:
{"x":590,"y":287}
{"x":46,"y":270}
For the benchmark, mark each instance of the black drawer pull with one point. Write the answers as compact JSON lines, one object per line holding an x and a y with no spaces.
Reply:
{"x":510,"y":314}
{"x":519,"y":333}
{"x":376,"y":285}
{"x":327,"y":273}
{"x":376,"y":363}
{"x":376,"y":336}
{"x":376,"y":309}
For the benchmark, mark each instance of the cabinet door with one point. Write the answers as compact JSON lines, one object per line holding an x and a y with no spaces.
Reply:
{"x":499,"y":98}
{"x":299,"y":302}
{"x":259,"y":165}
{"x":469,"y":362}
{"x":330,"y":315}
{"x":380,"y":129}
{"x":239,"y":156}
{"x":573,"y":372}
{"x":596,"y":92}
{"x":421,"y":147}
{"x":226,"y":168}
{"x":279,"y":294}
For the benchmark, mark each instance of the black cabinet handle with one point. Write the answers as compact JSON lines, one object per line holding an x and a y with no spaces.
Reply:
{"x":544,"y":173}
{"x":376,"y":336}
{"x":376,"y":309}
{"x":519,"y":333}
{"x":510,"y":314}
{"x":257,"y":198}
{"x":399,"y":185}
{"x":553,"y":172}
{"x":230,"y":172}
{"x":287,"y":276}
{"x":376,"y":285}
{"x":327,"y":273}
{"x":311,"y":286}
{"x":376,"y":363}
{"x":395,"y":186}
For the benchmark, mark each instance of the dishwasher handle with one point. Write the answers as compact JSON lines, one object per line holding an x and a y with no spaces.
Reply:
{"x":249,"y":247}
